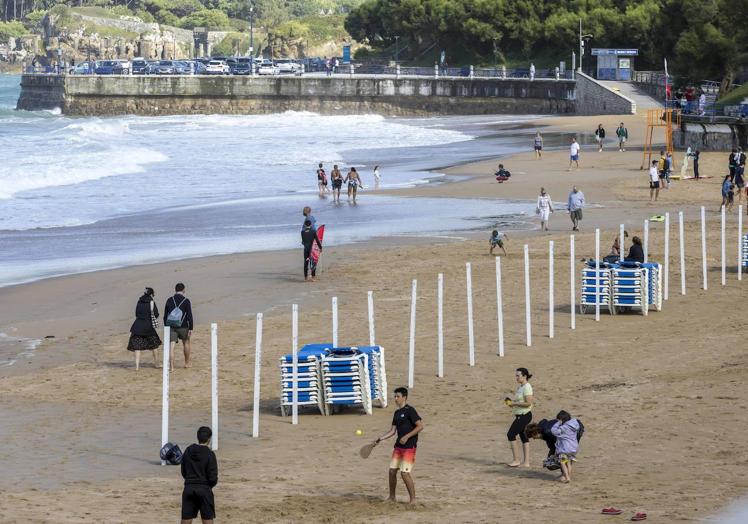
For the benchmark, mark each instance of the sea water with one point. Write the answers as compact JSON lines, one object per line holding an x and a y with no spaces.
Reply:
{"x":81,"y":194}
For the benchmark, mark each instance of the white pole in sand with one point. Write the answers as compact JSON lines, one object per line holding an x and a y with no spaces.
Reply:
{"x":703,"y":247}
{"x":528,"y":327}
{"x":258,"y":366}
{"x":165,"y":390}
{"x":412,"y":345}
{"x":621,"y":241}
{"x":646,"y":241}
{"x":550,"y":290}
{"x":214,"y":384}
{"x":471,"y":334}
{"x":334,"y":322}
{"x":667,"y":256}
{"x":499,"y":307}
{"x":440,"y":326}
{"x":740,"y":242}
{"x":370,"y":301}
{"x":572,"y":285}
{"x":597,"y":275}
{"x":722,"y":245}
{"x":682,"y":254}
{"x":295,"y":363}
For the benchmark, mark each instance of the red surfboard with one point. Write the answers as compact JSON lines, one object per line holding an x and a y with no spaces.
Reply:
{"x":316,"y":251}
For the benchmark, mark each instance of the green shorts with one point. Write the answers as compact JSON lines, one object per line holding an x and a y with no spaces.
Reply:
{"x":180,"y":334}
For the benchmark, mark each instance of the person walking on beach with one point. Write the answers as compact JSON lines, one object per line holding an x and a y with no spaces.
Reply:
{"x":143,"y":334}
{"x":623,"y":134}
{"x":353,"y":183}
{"x":575,"y":205}
{"x":733,"y":163}
{"x":600,"y":137}
{"x":321,"y":179}
{"x":406,"y":424}
{"x":654,"y":181}
{"x":544,"y":208}
{"x":337,"y":183}
{"x":200,"y":473}
{"x":497,"y":239}
{"x":377,"y":177}
{"x":308,"y":238}
{"x":181,"y":307}
{"x":307,"y":212}
{"x":538,"y":145}
{"x":574,"y":152}
{"x":522,"y":410}
{"x":566,"y":431}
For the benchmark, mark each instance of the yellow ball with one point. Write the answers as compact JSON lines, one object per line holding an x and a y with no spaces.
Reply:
{"x":359,"y":432}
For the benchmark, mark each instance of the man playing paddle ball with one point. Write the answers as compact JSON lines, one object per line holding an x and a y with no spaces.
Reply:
{"x":407,"y":424}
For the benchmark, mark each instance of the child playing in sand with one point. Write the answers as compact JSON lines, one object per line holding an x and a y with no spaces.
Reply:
{"x":567,"y":435}
{"x":497,"y":239}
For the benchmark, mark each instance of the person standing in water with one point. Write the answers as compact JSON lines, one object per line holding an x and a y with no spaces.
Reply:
{"x":544,"y":208}
{"x":377,"y":176}
{"x":354,"y":181}
{"x":337,"y":183}
{"x":321,"y":180}
{"x":538,"y":145}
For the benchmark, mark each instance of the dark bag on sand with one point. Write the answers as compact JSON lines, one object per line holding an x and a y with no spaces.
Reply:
{"x":171,"y":454}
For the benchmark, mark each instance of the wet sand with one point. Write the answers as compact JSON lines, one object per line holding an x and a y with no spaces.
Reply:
{"x":661,"y":396}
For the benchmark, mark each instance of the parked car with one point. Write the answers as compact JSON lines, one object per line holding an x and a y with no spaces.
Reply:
{"x":162,"y":67}
{"x":217,"y":67}
{"x":84,"y":68}
{"x":139,"y":66}
{"x":267,"y":67}
{"x":286,"y":65}
{"x":112,"y":67}
{"x":241,"y":66}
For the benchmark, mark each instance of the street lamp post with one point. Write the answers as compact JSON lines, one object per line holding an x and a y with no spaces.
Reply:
{"x":252,"y":39}
{"x":397,"y":49}
{"x":582,"y":38}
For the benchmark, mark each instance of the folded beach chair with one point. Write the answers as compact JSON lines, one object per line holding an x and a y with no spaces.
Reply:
{"x":744,"y":251}
{"x":309,"y":379}
{"x":354,"y":376}
{"x":596,"y":287}
{"x":630,"y":286}
{"x":654,"y":295}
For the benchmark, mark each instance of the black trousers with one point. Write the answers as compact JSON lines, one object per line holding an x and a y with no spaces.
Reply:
{"x":518,"y":427}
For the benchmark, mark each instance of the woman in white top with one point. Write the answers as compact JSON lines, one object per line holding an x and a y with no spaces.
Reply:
{"x":522,"y":411}
{"x":377,"y":176}
{"x":544,"y":208}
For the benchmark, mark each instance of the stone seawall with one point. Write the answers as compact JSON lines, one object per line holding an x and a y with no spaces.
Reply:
{"x":150,"y":95}
{"x":594,"y":98}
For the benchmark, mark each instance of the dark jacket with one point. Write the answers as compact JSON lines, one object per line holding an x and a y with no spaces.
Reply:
{"x":185,"y":305}
{"x":308,"y":237}
{"x":549,"y":438}
{"x":199,"y":466}
{"x":636,"y":253}
{"x":143,"y":326}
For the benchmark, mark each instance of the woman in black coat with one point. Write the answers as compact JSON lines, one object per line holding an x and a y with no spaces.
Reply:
{"x":143,"y":335}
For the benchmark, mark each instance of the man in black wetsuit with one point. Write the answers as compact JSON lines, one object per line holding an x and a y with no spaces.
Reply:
{"x":308,"y":238}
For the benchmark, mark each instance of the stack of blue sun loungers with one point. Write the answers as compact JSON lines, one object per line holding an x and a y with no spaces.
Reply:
{"x":377,"y":373}
{"x":354,"y":376}
{"x":596,"y":284}
{"x":630,"y":286}
{"x":654,"y":276}
{"x":311,"y":391}
{"x":744,"y":251}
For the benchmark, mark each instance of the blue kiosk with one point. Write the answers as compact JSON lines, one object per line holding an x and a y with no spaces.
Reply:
{"x":615,"y":64}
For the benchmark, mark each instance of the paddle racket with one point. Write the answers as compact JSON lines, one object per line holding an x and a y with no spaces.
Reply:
{"x":365,"y":450}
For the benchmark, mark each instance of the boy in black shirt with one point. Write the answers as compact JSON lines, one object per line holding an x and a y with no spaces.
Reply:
{"x":407,"y":424}
{"x":200,"y":473}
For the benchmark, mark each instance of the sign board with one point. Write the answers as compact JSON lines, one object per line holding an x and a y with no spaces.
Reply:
{"x":347,"y":53}
{"x":619,"y":52}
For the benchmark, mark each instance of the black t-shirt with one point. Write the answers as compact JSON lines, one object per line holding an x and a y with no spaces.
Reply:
{"x":405,"y":420}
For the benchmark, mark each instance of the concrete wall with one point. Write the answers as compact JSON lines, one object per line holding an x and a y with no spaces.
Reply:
{"x":654,"y":90}
{"x":112,"y":95}
{"x":710,"y":137}
{"x":594,"y":98}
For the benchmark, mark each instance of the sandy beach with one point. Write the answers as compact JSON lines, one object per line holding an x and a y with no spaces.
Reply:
{"x":661,"y":396}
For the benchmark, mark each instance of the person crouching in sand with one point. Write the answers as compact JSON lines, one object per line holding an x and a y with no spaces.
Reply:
{"x":567,"y":435}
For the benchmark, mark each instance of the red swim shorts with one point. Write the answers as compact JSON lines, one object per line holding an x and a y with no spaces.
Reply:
{"x":403,"y":459}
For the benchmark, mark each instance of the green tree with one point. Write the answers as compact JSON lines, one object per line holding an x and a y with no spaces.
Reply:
{"x":213,"y":19}
{"x":10,"y":30}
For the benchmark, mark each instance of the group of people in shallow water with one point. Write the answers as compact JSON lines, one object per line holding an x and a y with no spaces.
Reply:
{"x":352,"y":179}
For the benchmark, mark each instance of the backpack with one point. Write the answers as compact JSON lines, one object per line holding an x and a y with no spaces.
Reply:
{"x":580,"y":431}
{"x":171,"y":454}
{"x":176,"y":315}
